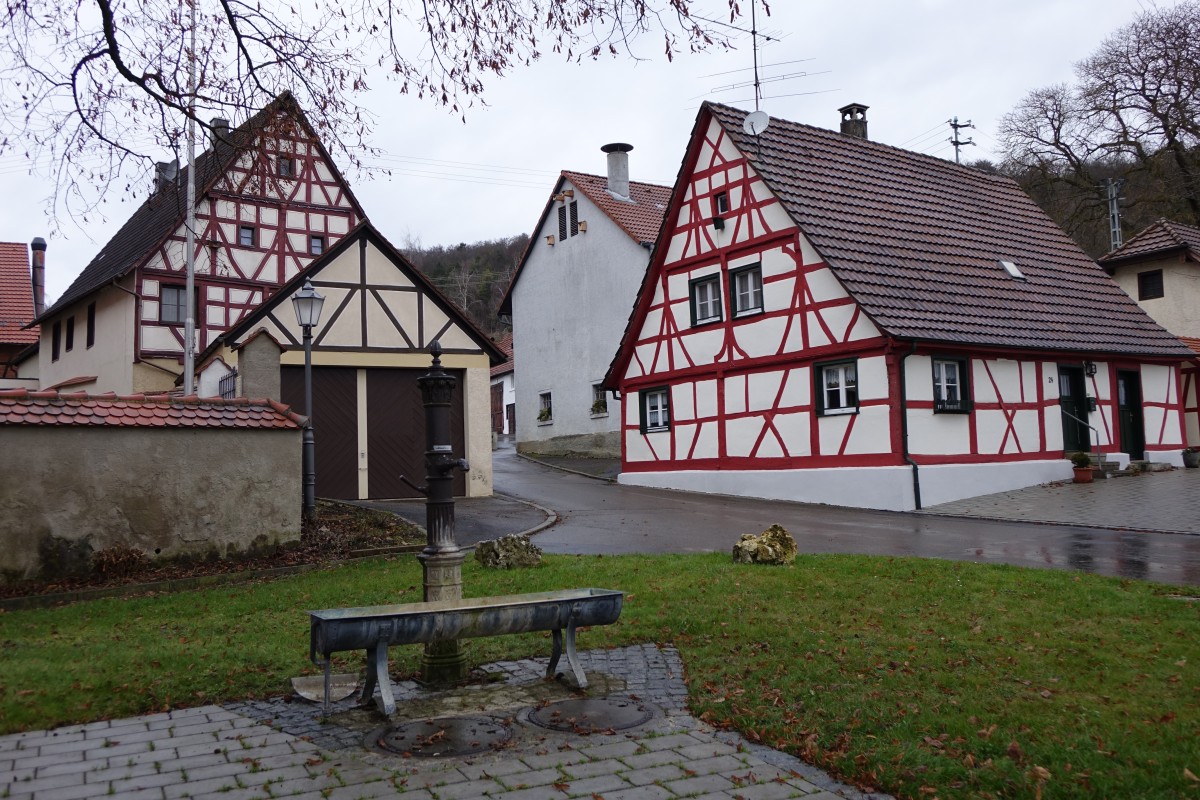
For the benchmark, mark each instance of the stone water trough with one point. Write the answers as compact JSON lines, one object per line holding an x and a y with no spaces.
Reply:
{"x":374,"y":628}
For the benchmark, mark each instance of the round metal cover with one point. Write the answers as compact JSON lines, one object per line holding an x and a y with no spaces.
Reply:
{"x":444,"y":736}
{"x":593,"y":714}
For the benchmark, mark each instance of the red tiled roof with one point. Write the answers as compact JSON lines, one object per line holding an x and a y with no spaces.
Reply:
{"x":1162,"y":236}
{"x":1193,"y":344}
{"x":16,"y":295}
{"x":504,"y":345}
{"x":23,"y":407}
{"x":917,"y":242}
{"x":641,"y":218}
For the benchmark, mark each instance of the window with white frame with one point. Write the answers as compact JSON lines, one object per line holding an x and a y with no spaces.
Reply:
{"x":746,"y":290}
{"x":656,"y":409}
{"x":599,"y":400}
{"x":706,"y":300}
{"x":545,"y":408}
{"x":951,"y":386}
{"x":837,"y":388}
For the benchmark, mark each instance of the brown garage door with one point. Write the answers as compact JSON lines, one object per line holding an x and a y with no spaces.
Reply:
{"x":335,"y":425}
{"x":396,"y":436}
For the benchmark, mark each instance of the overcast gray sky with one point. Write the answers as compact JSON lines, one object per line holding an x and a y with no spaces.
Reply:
{"x":916,"y":64}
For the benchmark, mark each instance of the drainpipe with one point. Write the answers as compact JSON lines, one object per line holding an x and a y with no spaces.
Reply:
{"x":916,"y":478}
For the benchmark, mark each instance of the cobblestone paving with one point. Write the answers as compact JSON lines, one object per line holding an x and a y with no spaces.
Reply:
{"x":284,"y":748}
{"x":1154,"y":501}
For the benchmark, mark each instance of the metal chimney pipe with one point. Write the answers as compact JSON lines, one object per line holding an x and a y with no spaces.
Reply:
{"x":618,"y":167}
{"x":38,"y":278}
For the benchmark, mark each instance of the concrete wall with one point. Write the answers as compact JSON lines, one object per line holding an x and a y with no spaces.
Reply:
{"x":570,"y":308}
{"x":258,"y":368}
{"x":1176,"y":309}
{"x":166,"y":492}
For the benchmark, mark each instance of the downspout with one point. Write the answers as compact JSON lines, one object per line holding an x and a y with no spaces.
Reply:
{"x":916,"y":478}
{"x":137,"y":329}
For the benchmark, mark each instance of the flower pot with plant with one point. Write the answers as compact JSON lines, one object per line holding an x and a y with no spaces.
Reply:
{"x":1191,"y":457}
{"x":1082,"y":464}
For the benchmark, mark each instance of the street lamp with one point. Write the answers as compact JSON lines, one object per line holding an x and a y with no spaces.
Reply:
{"x":308,"y":311}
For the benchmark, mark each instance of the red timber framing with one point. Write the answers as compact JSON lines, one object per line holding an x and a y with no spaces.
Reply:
{"x":277,"y":205}
{"x":1189,"y":390}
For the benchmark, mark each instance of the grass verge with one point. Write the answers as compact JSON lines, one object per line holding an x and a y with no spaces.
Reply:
{"x":920,"y":677}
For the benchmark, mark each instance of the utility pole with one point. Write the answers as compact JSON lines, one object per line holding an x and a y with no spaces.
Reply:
{"x":1112,"y":187}
{"x":954,"y":140}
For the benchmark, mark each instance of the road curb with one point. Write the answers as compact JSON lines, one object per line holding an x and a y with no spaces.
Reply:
{"x":560,"y":468}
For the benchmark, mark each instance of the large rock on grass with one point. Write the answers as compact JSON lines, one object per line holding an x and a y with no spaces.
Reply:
{"x":774,"y":546}
{"x":508,"y":552}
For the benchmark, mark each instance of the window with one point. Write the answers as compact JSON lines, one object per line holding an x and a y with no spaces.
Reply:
{"x":837,"y":388}
{"x":568,"y":220}
{"x":91,"y":324}
{"x":1013,"y":270}
{"x":287,"y":167}
{"x":55,"y":341}
{"x":599,"y":400}
{"x":720,"y":203}
{"x":1150,"y":284}
{"x":172,"y":306}
{"x":227,"y":386}
{"x":745,"y":290}
{"x":951,"y":386}
{"x":706,"y":300}
{"x":545,"y":408}
{"x":656,"y":409}
{"x":316,"y":245}
{"x":246,"y":237}
{"x":70,"y":334}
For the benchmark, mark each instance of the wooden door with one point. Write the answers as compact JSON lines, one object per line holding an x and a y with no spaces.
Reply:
{"x":335,"y":425}
{"x":1129,"y":414}
{"x":498,"y":407}
{"x":396,"y":432}
{"x":1073,"y":400}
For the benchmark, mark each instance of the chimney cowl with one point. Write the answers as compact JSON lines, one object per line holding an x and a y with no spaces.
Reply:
{"x":37,"y":277}
{"x":618,"y":168}
{"x":165,"y":174}
{"x":218,"y":130}
{"x":854,"y":120}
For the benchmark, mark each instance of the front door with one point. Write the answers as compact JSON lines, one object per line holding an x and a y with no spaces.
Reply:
{"x":1073,"y":399}
{"x":1129,"y":414}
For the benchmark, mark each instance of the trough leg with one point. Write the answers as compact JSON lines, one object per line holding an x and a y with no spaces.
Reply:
{"x":580,"y":678}
{"x":379,"y":662}
{"x":369,"y":683}
{"x":328,"y":668}
{"x":555,"y":653}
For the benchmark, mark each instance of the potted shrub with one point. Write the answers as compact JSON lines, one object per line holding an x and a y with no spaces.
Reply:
{"x":1191,"y":457}
{"x":544,"y":415}
{"x":1082,"y":463}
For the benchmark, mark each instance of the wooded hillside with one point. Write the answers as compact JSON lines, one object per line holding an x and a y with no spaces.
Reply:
{"x":475,"y":276}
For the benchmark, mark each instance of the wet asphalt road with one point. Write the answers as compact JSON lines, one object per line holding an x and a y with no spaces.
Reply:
{"x":595,"y":517}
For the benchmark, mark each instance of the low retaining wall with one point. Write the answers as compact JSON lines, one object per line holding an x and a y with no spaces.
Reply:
{"x":171,"y":478}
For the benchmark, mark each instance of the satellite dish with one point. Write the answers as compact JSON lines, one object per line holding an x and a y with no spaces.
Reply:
{"x":756,"y":122}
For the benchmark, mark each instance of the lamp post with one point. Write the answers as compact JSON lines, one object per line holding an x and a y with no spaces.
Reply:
{"x":308,"y":312}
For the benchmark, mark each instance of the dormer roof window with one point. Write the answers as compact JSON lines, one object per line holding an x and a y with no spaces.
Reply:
{"x":1013,"y":270}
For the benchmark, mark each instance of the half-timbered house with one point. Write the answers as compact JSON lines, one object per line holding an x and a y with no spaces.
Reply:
{"x":569,"y":299}
{"x":371,"y":344}
{"x":269,"y":200}
{"x":832,"y":320}
{"x":1159,"y":267}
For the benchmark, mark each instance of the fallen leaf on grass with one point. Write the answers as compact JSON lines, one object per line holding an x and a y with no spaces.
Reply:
{"x":1191,"y":776}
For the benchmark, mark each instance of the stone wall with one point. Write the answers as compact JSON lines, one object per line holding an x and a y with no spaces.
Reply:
{"x":69,"y":491}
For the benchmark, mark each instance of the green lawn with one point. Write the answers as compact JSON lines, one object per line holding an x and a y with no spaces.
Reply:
{"x":919,"y":677}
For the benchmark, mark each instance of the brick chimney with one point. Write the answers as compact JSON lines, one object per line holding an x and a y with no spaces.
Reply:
{"x":38,"y":277}
{"x":854,"y":120}
{"x":618,"y":168}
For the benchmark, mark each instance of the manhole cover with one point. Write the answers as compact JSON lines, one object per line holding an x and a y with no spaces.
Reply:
{"x":592,"y":714}
{"x":445,"y":736}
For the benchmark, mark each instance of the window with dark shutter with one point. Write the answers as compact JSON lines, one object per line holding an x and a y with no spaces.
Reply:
{"x":91,"y":324}
{"x":70,"y":333}
{"x":562,"y":223}
{"x":574,"y":218}
{"x":1150,"y":284}
{"x":951,"y":386}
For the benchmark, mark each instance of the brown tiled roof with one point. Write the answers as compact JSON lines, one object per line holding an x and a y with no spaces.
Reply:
{"x":1163,"y":236}
{"x":917,"y":241}
{"x":640,"y":219}
{"x":16,"y":295}
{"x":23,"y":407}
{"x":163,"y":211}
{"x":504,"y":345}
